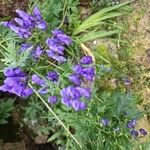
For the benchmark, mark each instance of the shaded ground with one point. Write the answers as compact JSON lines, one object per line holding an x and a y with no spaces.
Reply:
{"x":8,"y":7}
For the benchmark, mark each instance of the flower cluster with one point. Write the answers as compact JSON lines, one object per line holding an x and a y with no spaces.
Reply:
{"x":83,"y":71}
{"x":16,"y":82}
{"x":72,"y":95}
{"x":57,"y":45}
{"x":131,"y":125}
{"x":25,"y":23}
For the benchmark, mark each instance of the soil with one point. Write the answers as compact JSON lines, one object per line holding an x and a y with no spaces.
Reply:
{"x":8,"y":7}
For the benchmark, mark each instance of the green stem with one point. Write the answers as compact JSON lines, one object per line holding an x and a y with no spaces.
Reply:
{"x":64,"y":14}
{"x":55,"y":115}
{"x":3,"y":48}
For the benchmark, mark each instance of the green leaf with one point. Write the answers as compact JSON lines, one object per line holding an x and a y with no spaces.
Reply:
{"x":95,"y":35}
{"x":101,"y":15}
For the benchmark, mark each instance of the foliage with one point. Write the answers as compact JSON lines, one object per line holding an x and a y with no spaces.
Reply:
{"x":6,"y":108}
{"x":68,"y":128}
{"x":97,"y":21}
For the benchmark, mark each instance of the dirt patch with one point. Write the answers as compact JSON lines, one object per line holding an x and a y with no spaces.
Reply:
{"x":8,"y":7}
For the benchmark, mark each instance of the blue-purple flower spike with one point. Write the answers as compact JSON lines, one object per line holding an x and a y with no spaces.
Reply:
{"x":57,"y":45}
{"x":16,"y":83}
{"x":25,"y":23}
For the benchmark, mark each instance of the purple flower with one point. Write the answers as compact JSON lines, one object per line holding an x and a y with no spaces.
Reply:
{"x":43,"y":91}
{"x":143,"y":131}
{"x":54,"y":46}
{"x":86,"y":60}
{"x":134,"y":133}
{"x":12,"y":81}
{"x":37,"y":13}
{"x":89,"y":73}
{"x":19,"y":21}
{"x":71,"y":97}
{"x":71,"y":92}
{"x":27,"y":92}
{"x":131,"y":123}
{"x":78,"y":69}
{"x":63,"y":38}
{"x":57,"y":31}
{"x":5,"y":88}
{"x":52,"y":76}
{"x":9,"y":72}
{"x":16,"y":82}
{"x":24,"y":47}
{"x":37,"y":52}
{"x":13,"y":72}
{"x":78,"y":105}
{"x":52,"y":99}
{"x":86,"y":92}
{"x":75,"y":79}
{"x":55,"y":56}
{"x":42,"y":25}
{"x":5,"y":23}
{"x":24,"y":24}
{"x":105,"y":122}
{"x":17,"y":90}
{"x":37,"y":80}
{"x":66,"y":101}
